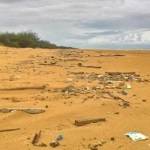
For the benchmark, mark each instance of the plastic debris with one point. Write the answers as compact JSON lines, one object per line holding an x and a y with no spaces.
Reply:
{"x":59,"y":137}
{"x":55,"y":142}
{"x":128,"y":86}
{"x":97,"y":145}
{"x":136,"y":136}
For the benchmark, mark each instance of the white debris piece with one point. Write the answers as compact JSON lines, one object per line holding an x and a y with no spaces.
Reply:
{"x":128,"y":86}
{"x":136,"y":136}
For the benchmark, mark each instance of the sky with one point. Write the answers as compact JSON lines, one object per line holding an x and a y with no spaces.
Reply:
{"x":115,"y":24}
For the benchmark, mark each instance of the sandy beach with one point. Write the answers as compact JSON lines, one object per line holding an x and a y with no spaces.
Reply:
{"x":68,"y":85}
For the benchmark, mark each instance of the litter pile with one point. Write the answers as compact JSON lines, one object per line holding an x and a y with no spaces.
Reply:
{"x":111,"y":85}
{"x":109,"y":76}
{"x":110,"y":80}
{"x":120,"y":81}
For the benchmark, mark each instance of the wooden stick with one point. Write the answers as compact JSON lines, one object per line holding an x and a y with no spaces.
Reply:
{"x":8,"y":130}
{"x":24,"y":88}
{"x":36,"y":138}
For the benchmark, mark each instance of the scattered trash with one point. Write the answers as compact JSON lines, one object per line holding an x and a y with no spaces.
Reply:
{"x":96,"y":145}
{"x":54,"y":143}
{"x":112,"y":139}
{"x":59,"y":137}
{"x":93,"y":146}
{"x":109,"y":76}
{"x":144,"y":100}
{"x":47,"y":61}
{"x":42,"y":145}
{"x":128,"y":86}
{"x":36,"y":138}
{"x":80,"y":64}
{"x":71,"y":90}
{"x":69,"y":79}
{"x":136,"y":136}
{"x":83,"y":122}
{"x":111,"y":85}
{"x":8,"y":130}
{"x":119,"y":82}
{"x":116,"y":113}
{"x":124,"y":104}
{"x":124,"y":92}
{"x":46,"y":106}
{"x":124,"y":76}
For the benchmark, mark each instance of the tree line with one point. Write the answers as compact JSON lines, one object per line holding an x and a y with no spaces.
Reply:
{"x":25,"y":40}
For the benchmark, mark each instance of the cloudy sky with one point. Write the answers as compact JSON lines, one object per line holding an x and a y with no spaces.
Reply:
{"x":81,"y":23}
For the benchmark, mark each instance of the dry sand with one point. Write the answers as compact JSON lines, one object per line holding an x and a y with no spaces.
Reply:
{"x":21,"y":69}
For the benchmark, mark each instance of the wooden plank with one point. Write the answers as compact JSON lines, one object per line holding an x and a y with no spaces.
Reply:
{"x":83,"y":122}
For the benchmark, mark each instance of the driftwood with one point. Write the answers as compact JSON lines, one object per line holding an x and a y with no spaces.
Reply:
{"x":47,"y":63}
{"x":5,"y":110}
{"x":119,"y":73}
{"x":81,"y":65}
{"x":91,"y":66}
{"x":24,"y":88}
{"x":36,"y":138}
{"x":8,"y":130}
{"x":114,"y":55}
{"x":26,"y":110}
{"x":110,"y":55}
{"x":83,"y":122}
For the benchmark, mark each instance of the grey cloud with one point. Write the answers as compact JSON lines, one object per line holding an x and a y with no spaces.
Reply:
{"x":8,"y":1}
{"x":133,"y":21}
{"x":75,"y":23}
